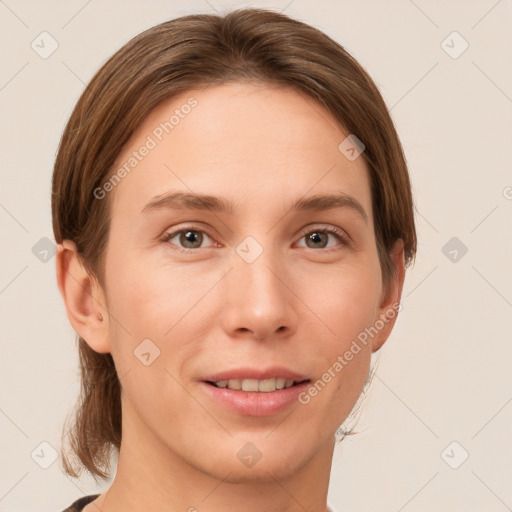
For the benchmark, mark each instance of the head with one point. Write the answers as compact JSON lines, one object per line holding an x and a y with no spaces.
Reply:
{"x":261,"y":111}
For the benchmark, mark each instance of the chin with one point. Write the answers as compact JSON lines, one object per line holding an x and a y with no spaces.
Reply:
{"x":247,"y":463}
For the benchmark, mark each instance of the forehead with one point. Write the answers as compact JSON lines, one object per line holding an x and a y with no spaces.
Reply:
{"x":254,"y":143}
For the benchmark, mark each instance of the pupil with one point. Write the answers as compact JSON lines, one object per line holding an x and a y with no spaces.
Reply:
{"x":191,"y":237}
{"x":316,"y":237}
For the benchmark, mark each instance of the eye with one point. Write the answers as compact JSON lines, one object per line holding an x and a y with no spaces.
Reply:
{"x":187,"y":238}
{"x":319,"y":238}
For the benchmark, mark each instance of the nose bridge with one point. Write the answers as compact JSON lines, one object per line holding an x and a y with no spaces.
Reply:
{"x":259,"y":300}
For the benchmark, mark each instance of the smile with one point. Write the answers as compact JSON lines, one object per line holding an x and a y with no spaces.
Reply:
{"x":255,"y":385}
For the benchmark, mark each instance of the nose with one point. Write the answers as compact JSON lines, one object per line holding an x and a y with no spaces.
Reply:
{"x":259,"y":301}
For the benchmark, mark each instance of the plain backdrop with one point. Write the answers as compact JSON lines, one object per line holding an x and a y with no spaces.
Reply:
{"x":436,"y":421}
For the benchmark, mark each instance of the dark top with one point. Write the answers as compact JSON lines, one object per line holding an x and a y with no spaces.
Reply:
{"x":79,"y":504}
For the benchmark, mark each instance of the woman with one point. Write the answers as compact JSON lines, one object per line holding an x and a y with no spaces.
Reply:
{"x":234,"y":218}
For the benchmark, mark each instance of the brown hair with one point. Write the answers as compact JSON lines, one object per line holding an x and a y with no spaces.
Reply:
{"x":252,"y":45}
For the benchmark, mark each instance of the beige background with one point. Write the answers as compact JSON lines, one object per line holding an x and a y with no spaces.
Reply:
{"x":443,"y":376}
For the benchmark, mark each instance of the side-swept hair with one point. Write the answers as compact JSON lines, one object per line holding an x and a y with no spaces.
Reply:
{"x":246,"y":45}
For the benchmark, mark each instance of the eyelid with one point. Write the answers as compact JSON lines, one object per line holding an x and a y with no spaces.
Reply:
{"x":344,"y":238}
{"x":171,"y":234}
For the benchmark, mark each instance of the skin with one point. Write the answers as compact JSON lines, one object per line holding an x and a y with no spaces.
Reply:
{"x":209,"y":310}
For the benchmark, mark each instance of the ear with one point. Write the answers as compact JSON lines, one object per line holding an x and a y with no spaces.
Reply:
{"x":83,"y":297}
{"x":390,"y":301}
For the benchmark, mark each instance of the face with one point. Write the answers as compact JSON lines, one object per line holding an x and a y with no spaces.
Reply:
{"x":259,"y":285}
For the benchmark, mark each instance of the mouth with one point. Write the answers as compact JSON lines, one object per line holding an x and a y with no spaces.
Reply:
{"x":257,"y":386}
{"x":252,"y":397}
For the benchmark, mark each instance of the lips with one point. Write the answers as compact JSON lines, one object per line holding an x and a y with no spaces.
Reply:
{"x":256,"y":380}
{"x":262,"y":386}
{"x":255,"y":373}
{"x":254,"y":404}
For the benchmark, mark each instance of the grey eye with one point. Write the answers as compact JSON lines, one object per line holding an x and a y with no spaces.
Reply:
{"x":191,"y":239}
{"x":317,"y":239}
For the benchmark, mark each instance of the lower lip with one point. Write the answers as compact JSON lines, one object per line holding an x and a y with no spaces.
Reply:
{"x":256,"y":403}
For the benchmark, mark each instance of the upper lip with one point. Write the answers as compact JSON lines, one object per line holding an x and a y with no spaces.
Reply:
{"x":255,"y":373}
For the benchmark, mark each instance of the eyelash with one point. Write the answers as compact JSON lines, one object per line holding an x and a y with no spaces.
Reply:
{"x":343,"y":238}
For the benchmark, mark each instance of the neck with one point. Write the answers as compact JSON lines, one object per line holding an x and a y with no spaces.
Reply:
{"x":151,"y":476}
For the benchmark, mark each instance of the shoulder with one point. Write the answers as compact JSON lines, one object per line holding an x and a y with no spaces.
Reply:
{"x":79,"y":504}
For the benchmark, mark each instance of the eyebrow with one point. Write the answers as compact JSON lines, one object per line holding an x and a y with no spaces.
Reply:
{"x":191,"y":201}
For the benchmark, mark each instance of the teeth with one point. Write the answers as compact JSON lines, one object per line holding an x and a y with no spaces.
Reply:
{"x":264,"y":386}
{"x":267,"y":385}
{"x":235,"y":384}
{"x":249,"y":385}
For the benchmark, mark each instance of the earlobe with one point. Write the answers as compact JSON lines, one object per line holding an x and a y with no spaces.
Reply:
{"x":83,"y":298}
{"x":390,"y":302}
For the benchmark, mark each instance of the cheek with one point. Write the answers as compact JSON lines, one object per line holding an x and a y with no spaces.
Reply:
{"x":345,"y":299}
{"x":151,"y":297}
{"x":346,"y":302}
{"x":166,"y":305}
{"x":149,"y":337}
